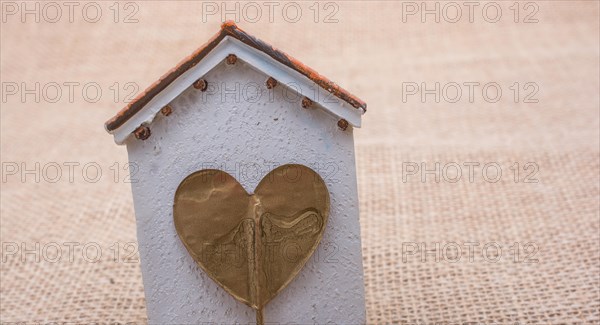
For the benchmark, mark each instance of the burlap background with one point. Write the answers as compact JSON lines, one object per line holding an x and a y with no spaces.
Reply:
{"x":371,"y":52}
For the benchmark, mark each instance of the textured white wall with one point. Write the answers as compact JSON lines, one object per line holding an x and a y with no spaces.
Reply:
{"x":205,"y":131}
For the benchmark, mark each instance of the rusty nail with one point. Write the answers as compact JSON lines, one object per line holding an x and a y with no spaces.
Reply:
{"x":167,"y":110}
{"x":271,"y":83}
{"x":142,"y":132}
{"x":231,"y":59}
{"x":342,"y":124}
{"x":306,"y":102}
{"x":201,"y":84}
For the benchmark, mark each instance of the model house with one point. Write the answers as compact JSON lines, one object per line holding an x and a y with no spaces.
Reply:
{"x":237,"y":147}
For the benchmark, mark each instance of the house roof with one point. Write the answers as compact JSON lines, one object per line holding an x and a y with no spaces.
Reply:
{"x":229,"y":29}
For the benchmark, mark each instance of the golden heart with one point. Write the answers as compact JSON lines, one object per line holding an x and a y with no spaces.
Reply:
{"x":253,"y":245}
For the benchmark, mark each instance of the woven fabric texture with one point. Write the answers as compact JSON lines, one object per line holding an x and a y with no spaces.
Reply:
{"x":446,"y":238}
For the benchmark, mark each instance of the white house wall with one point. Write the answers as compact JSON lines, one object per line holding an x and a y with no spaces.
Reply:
{"x":208,"y":131}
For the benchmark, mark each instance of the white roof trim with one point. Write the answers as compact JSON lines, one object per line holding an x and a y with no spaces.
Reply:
{"x":259,"y":60}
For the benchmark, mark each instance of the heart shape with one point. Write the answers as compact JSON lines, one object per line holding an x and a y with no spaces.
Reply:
{"x":252,"y":245}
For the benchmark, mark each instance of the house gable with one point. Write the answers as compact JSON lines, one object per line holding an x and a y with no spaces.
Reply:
{"x":231,"y":40}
